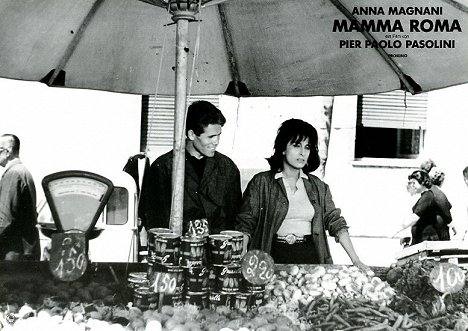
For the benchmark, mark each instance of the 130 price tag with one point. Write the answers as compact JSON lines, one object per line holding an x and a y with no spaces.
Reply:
{"x":447,"y":278}
{"x":164,"y":283}
{"x":258,"y":267}
{"x":68,"y":260}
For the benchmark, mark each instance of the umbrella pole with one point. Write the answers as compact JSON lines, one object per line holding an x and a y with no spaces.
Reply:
{"x":178,"y":165}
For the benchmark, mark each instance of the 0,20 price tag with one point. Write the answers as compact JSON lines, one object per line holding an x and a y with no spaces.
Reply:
{"x":447,"y":278}
{"x":258,"y":267}
{"x":163,"y":282}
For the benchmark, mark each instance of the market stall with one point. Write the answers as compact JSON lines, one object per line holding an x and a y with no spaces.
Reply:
{"x":417,"y":295}
{"x":201,"y":281}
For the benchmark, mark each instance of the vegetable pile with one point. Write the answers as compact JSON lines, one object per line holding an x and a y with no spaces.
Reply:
{"x":42,"y":291}
{"x":341,"y":313}
{"x":302,"y":286}
{"x":38,"y":303}
{"x":415,"y":295}
{"x":313,"y":297}
{"x":181,"y":318}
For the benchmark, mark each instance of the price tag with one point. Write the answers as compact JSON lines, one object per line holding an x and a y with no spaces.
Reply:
{"x":447,"y":278}
{"x":198,"y":228}
{"x":258,"y":267}
{"x":68,"y":260}
{"x":163,"y":282}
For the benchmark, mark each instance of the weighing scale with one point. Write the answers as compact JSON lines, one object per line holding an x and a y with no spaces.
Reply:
{"x":76,"y":199}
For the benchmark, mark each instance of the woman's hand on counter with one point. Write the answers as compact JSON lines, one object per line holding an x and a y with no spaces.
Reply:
{"x":361,"y":265}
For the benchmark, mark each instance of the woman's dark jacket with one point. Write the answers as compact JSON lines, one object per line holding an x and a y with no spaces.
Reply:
{"x":265,"y":205}
{"x":426,"y":227}
{"x":444,"y":217}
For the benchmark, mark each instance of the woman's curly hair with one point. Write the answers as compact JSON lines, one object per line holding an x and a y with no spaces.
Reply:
{"x":427,"y":165}
{"x":295,"y":130}
{"x":422,"y":177}
{"x":436,"y":175}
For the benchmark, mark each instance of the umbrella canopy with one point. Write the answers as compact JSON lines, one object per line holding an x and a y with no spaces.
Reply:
{"x":241,"y":47}
{"x":274,"y":47}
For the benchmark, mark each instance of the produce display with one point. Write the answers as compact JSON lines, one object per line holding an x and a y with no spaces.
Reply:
{"x":303,"y":286}
{"x":416,"y":296}
{"x":40,"y":303}
{"x":298,"y":297}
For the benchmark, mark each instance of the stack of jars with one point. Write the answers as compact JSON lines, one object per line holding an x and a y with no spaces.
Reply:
{"x":228,"y":287}
{"x":203,"y":270}
{"x":139,"y":289}
{"x":164,"y":272}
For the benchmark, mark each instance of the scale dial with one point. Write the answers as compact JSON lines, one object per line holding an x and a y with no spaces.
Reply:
{"x":76,"y":198}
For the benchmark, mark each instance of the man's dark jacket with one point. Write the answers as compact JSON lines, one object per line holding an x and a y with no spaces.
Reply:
{"x":266,"y":204}
{"x":131,"y":167}
{"x":216,"y":196}
{"x":18,"y":216}
{"x":444,"y":215}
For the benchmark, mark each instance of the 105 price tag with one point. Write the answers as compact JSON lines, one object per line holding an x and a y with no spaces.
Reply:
{"x":447,"y":278}
{"x":258,"y":267}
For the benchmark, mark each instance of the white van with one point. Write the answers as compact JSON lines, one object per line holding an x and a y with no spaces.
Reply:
{"x":118,"y":242}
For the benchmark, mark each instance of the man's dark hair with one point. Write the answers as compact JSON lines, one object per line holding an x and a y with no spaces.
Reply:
{"x":465,"y":172}
{"x":15,"y":145}
{"x":295,"y":131}
{"x":200,"y":114}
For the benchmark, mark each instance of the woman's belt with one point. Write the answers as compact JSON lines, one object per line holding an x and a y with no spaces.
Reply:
{"x":293,"y":238}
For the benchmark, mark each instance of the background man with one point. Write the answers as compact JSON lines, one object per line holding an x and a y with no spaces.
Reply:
{"x":212,"y":187}
{"x":19,"y":237}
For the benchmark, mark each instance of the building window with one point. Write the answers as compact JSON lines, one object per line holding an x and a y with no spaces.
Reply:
{"x":157,"y":121}
{"x":117,"y":207}
{"x":390,"y":125}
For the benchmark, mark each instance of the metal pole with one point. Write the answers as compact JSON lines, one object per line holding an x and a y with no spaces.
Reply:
{"x":178,"y":165}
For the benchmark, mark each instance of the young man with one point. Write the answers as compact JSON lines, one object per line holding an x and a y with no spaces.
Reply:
{"x":19,"y":237}
{"x":212,"y":188}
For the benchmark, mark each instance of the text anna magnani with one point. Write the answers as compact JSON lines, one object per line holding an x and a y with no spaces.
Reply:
{"x":400,"y":32}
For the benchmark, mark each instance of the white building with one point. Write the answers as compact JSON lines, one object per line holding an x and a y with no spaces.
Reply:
{"x":62,"y":129}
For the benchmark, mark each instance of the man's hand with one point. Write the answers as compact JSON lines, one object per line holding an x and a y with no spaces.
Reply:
{"x":46,"y":251}
{"x":454,"y":231}
{"x":245,"y":244}
{"x":12,"y":256}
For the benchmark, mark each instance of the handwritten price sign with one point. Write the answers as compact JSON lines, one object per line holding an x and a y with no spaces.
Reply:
{"x":198,"y":227}
{"x":447,"y":278}
{"x":258,"y":267}
{"x":163,"y":282}
{"x":68,"y":260}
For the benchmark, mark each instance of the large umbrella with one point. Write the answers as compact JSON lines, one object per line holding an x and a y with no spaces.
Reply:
{"x":275,"y":47}
{"x":244,"y":47}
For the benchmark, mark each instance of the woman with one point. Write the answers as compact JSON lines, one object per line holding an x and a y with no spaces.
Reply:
{"x":423,"y":220}
{"x":444,"y":216}
{"x":286,"y":211}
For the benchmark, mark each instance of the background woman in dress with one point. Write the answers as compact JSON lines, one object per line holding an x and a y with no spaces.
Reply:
{"x":423,"y":220}
{"x":444,"y":216}
{"x":287,"y":211}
